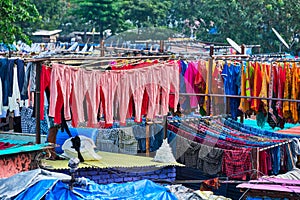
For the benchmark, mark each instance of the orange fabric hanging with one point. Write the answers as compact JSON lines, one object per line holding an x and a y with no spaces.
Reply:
{"x":294,"y":94}
{"x":264,"y":87}
{"x":244,"y":104}
{"x":257,"y":86}
{"x":286,"y":95}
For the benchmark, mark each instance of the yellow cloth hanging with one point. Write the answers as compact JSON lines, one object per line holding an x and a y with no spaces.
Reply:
{"x":264,"y":86}
{"x":256,"y":92}
{"x":205,"y":106}
{"x":249,"y":74}
{"x":244,"y":104}
{"x":294,"y":94}
{"x":286,"y":94}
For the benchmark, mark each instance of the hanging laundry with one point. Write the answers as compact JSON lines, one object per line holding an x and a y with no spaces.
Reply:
{"x":210,"y":160}
{"x":272,"y":118}
{"x":263,"y":162}
{"x":231,"y":76}
{"x":155,"y":136}
{"x":244,"y":104}
{"x":183,"y":100}
{"x":71,"y":86}
{"x":281,"y":70}
{"x":107,"y":140}
{"x":28,"y":123}
{"x":287,"y":92}
{"x":276,"y":159}
{"x":190,"y":76}
{"x":217,"y":87}
{"x":295,"y":92}
{"x":4,"y":80}
{"x":1,"y":97}
{"x":44,"y":85}
{"x":15,"y":98}
{"x":237,"y":164}
{"x":187,"y":151}
{"x":60,"y":83}
{"x":127,"y":142}
{"x":257,"y":86}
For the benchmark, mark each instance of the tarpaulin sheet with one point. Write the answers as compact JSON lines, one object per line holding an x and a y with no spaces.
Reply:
{"x":144,"y":189}
{"x":37,"y":186}
{"x":16,"y":184}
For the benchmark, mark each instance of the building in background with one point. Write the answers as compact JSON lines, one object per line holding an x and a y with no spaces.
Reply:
{"x":45,"y":36}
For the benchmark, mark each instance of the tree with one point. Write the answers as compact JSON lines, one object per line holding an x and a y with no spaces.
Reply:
{"x":245,"y":21}
{"x":51,"y":13}
{"x":13,"y":13}
{"x":145,"y":13}
{"x":183,"y":11}
{"x":251,"y":22}
{"x":103,"y":14}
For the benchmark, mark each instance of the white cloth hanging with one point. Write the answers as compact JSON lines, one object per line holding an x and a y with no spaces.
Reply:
{"x":16,"y":96}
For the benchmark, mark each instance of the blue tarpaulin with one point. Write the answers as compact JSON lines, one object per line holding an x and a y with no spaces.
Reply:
{"x":48,"y":185}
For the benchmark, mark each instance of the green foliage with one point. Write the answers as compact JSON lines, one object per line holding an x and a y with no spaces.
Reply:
{"x":146,"y":13}
{"x":101,"y":14}
{"x":245,"y":21}
{"x":149,"y":33}
{"x":51,"y":14}
{"x":13,"y":14}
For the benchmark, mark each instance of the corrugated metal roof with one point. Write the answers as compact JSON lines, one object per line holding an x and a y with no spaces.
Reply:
{"x":46,"y":32}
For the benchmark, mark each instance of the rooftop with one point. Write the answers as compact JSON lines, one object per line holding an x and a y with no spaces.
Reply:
{"x":46,"y":32}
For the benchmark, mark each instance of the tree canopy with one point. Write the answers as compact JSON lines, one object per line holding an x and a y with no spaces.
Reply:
{"x":101,"y":14}
{"x":147,"y":13}
{"x":245,"y":21}
{"x":13,"y":15}
{"x":51,"y":13}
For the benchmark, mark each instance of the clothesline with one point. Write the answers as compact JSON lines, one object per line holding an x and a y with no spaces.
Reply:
{"x":147,"y":57}
{"x":185,"y":130}
{"x":92,"y":58}
{"x":197,"y":118}
{"x":259,"y":59}
{"x":275,"y":145}
{"x":231,"y":56}
{"x":221,"y":180}
{"x":280,"y":144}
{"x":238,"y":96}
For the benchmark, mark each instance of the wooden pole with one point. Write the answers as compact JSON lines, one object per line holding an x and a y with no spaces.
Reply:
{"x":209,"y":100}
{"x":209,"y":81}
{"x":211,"y":50}
{"x":165,"y":121}
{"x":255,"y":162}
{"x":243,"y":47}
{"x":102,"y":48}
{"x":161,"y":46}
{"x":37,"y":102}
{"x":147,"y":139}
